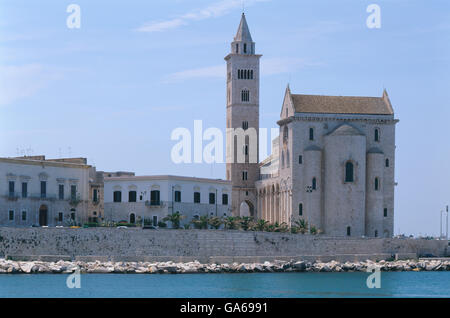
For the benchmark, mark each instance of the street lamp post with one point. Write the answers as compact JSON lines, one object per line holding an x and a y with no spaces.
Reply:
{"x":446,"y":225}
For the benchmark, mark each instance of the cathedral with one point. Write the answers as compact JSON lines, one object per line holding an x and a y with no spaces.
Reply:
{"x":332,"y":164}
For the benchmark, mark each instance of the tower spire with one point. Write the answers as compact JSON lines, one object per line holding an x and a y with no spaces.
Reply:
{"x":243,"y":43}
{"x":243,"y":32}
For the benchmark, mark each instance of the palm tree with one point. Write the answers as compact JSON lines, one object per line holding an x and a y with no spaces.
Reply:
{"x":314,"y":230}
{"x":231,"y":223}
{"x":201,"y":223}
{"x":246,"y":222}
{"x":302,"y":226}
{"x":260,"y":225}
{"x":283,"y":227}
{"x":215,"y":222}
{"x":175,"y":219}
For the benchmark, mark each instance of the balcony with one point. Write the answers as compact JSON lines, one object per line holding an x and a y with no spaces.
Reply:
{"x":75,"y":199}
{"x":42,"y":196}
{"x":12,"y":196}
{"x":154,"y":203}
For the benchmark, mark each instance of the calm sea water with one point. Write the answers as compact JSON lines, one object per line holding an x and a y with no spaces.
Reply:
{"x":393,"y":284}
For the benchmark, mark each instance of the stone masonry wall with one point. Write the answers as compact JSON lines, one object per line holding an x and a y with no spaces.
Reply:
{"x":220,"y":245}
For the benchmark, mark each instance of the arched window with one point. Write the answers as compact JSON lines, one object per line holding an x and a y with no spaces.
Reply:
{"x":349,"y":172}
{"x":245,"y":95}
{"x":387,"y":162}
{"x":300,"y":209}
{"x":377,"y":134}
{"x":349,"y":231}
{"x":376,"y":233}
{"x":237,"y":48}
{"x":132,"y":218}
{"x":311,"y":133}
{"x":285,"y":135}
{"x":251,"y":74}
{"x":314,"y":183}
{"x":377,"y":184}
{"x":245,"y":47}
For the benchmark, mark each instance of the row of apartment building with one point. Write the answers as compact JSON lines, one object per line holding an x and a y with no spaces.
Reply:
{"x":36,"y":191}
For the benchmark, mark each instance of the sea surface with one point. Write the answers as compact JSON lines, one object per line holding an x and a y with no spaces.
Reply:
{"x":393,"y":284}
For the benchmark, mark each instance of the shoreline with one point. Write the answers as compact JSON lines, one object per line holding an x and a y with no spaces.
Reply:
{"x":97,"y":267}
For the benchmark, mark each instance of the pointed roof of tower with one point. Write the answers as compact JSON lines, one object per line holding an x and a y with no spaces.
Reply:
{"x":243,"y":33}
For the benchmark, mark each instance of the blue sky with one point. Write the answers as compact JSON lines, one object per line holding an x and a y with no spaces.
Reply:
{"x":114,"y":90}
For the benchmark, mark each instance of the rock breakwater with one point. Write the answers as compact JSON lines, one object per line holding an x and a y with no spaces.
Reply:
{"x":67,"y":267}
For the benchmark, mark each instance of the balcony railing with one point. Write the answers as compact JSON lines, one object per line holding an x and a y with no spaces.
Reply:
{"x":75,"y":199}
{"x":12,"y":195}
{"x":42,"y":196}
{"x":154,"y":203}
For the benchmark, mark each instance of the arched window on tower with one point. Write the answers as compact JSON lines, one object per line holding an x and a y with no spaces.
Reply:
{"x":245,"y":47}
{"x":251,"y":74}
{"x":311,"y":133}
{"x":245,"y":95}
{"x":237,"y":48}
{"x":387,"y":163}
{"x":349,"y":172}
{"x":377,"y":184}
{"x":300,"y":209}
{"x":314,"y":183}
{"x":377,"y":134}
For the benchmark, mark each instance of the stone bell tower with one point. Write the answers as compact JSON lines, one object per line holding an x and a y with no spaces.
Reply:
{"x":243,"y":121}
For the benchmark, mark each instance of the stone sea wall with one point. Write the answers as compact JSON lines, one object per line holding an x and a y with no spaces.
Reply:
{"x":205,"y":246}
{"x":66,"y":267}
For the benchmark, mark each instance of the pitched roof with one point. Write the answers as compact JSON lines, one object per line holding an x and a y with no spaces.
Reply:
{"x":342,"y":104}
{"x":243,"y":33}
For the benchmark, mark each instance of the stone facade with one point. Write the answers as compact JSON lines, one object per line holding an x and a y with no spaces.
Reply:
{"x":154,"y":197}
{"x":315,"y":151}
{"x":243,"y":117}
{"x":96,"y":210}
{"x":36,"y":191}
{"x":334,"y":159}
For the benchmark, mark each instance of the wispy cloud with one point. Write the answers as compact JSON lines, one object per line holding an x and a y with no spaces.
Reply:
{"x":270,"y":66}
{"x":21,"y":81}
{"x":214,"y":10}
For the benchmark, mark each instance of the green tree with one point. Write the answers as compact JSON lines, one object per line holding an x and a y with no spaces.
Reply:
{"x":246,"y":222}
{"x":260,"y":225}
{"x":231,"y":223}
{"x":201,"y":223}
{"x":215,"y":222}
{"x":175,"y":219}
